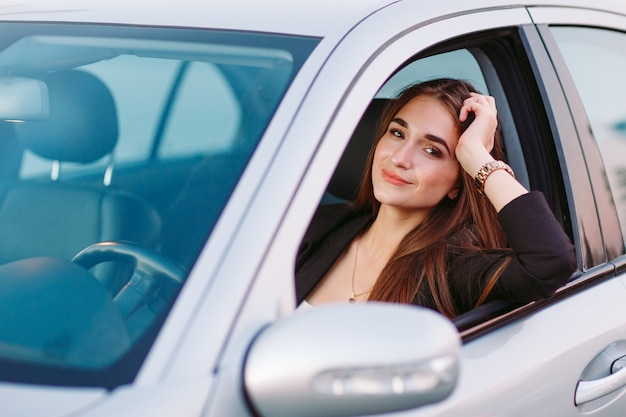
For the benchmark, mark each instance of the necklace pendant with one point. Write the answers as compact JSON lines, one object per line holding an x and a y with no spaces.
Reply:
{"x":351,"y":300}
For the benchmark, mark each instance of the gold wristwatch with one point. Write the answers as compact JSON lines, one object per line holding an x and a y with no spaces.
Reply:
{"x":487,"y":169}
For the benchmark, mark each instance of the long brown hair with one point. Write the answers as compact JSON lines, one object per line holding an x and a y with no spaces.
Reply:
{"x":418,"y":268}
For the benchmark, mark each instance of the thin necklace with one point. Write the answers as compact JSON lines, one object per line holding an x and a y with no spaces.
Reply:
{"x":354,"y":295}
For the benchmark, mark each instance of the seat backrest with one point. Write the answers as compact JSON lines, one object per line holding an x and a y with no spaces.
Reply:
{"x":82,"y":126}
{"x":345,"y":182}
{"x":59,"y":218}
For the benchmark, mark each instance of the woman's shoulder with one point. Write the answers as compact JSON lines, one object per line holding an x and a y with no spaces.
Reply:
{"x":333,"y":215}
{"x":333,"y":210}
{"x":331,"y":223}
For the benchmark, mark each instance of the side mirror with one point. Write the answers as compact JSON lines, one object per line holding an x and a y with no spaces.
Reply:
{"x":23,"y":99}
{"x":352,"y":359}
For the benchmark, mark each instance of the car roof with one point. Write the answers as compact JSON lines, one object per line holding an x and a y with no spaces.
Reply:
{"x":307,"y":18}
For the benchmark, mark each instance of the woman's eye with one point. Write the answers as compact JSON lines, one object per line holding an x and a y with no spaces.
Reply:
{"x":433,"y":151}
{"x":396,"y":133}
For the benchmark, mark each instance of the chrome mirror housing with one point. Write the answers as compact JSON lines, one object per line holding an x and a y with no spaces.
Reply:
{"x":352,"y":359}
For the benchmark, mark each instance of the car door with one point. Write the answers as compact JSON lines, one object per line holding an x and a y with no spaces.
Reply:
{"x":595,"y":94}
{"x":524,"y":361}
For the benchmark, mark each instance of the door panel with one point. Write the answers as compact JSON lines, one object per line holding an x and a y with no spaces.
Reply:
{"x":532,"y":366}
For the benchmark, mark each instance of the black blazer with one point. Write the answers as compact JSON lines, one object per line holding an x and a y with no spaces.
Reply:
{"x":543,"y":258}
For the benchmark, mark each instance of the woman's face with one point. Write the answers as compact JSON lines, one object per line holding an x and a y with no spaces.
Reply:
{"x":414,"y":164}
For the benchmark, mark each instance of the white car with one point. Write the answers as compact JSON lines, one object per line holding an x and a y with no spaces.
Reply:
{"x":160,"y":162}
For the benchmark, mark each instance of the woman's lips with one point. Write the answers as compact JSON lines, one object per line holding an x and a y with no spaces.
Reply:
{"x":392,"y":178}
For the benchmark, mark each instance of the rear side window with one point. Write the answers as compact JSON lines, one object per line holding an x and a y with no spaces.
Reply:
{"x":165,"y":107}
{"x":596,"y":59}
{"x":198,"y":124}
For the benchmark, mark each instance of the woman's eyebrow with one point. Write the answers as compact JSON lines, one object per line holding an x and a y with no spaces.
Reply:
{"x":437,"y":139}
{"x":430,"y":137}
{"x":401,"y":122}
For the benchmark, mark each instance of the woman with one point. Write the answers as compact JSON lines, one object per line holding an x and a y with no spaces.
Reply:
{"x":439,"y":220}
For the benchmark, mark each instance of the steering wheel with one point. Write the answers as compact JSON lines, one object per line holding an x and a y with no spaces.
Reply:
{"x":155,"y":279}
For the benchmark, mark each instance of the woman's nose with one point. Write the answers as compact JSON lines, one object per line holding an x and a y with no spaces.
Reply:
{"x":403,"y":156}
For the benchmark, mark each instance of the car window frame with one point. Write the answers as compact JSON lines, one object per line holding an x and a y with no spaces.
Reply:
{"x":548,"y":177}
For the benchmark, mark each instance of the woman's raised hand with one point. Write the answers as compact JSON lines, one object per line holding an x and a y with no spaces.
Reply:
{"x":474,"y":145}
{"x":477,"y":141}
{"x":483,"y":128}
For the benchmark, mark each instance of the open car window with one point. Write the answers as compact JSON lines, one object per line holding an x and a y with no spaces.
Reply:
{"x":528,"y":146}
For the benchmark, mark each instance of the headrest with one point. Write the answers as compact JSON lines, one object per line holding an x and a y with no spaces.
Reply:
{"x":345,"y":182}
{"x":82,"y":126}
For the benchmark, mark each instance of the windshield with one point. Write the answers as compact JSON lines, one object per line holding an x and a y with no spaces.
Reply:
{"x":120,"y":147}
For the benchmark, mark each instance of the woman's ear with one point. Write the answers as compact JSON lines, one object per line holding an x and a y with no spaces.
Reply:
{"x":453,"y":193}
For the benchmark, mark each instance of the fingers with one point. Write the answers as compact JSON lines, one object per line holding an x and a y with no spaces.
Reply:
{"x":481,"y":132}
{"x":477,"y":103}
{"x":484,"y":109}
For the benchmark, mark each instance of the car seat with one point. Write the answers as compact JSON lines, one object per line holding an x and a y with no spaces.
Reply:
{"x":59,"y":218}
{"x":345,"y":182}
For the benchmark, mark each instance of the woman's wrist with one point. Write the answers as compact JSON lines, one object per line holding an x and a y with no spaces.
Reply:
{"x":489,"y":168}
{"x":473,"y":159}
{"x":501,"y":188}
